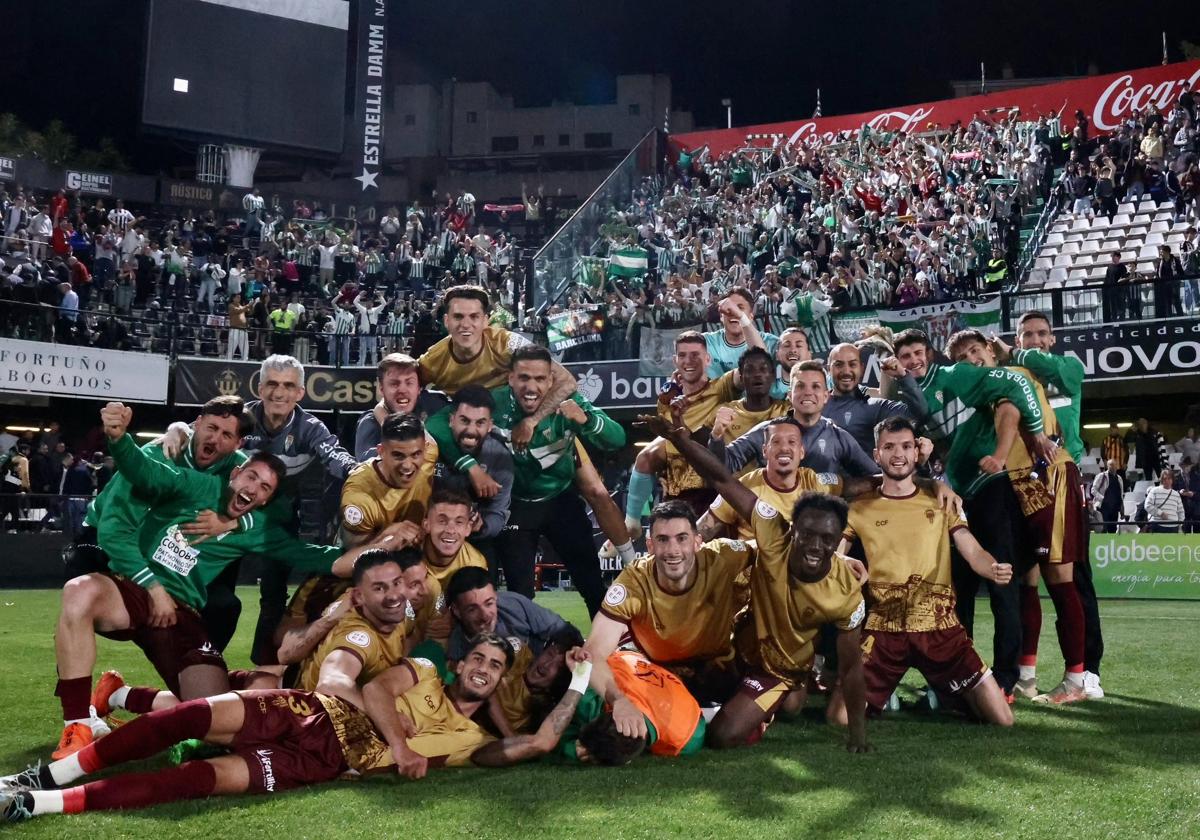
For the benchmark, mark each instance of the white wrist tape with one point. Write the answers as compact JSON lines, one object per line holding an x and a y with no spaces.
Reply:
{"x":580,"y":675}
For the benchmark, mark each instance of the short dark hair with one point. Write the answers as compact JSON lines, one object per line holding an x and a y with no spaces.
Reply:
{"x":674,"y":509}
{"x":467,"y":580}
{"x":962,"y":338}
{"x":445,"y":495}
{"x":400,"y":361}
{"x":782,"y":421}
{"x":755,"y":353}
{"x":606,"y":745}
{"x":467,"y":293}
{"x":496,"y":640}
{"x":1035,"y":315}
{"x":271,"y":462}
{"x":475,"y":396}
{"x":530,"y":353}
{"x":895,"y":423}
{"x":230,"y":406}
{"x":909,"y":336}
{"x":808,"y":366}
{"x":742,"y":292}
{"x":405,"y":558}
{"x":822,"y":503}
{"x":690,"y":337}
{"x":401,"y":427}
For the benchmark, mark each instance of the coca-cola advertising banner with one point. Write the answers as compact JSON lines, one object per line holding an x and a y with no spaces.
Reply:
{"x":1105,"y":99}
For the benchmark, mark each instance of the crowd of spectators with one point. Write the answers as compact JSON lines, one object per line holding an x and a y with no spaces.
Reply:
{"x":46,"y":481}
{"x":77,"y":270}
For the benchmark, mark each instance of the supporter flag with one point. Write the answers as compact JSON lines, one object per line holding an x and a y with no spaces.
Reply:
{"x":629,"y":261}
{"x":656,"y":350}
{"x":941,"y":320}
{"x":580,"y":325}
{"x":588,"y":272}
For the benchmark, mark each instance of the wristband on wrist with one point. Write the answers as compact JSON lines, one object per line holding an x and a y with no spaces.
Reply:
{"x":580,"y":675}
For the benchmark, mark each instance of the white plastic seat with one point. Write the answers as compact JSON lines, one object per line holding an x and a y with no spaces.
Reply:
{"x":1155,"y":238}
{"x":1058,"y":275}
{"x":1045,"y":263}
{"x":1064,"y":261}
{"x":1161,"y":226}
{"x":1123,"y":218}
{"x":1053,"y":239}
{"x":1070,"y":248}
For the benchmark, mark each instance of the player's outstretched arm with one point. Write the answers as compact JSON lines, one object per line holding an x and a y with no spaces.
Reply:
{"x":706,"y":465}
{"x":339,"y":677}
{"x":520,"y":748}
{"x":854,"y":689}
{"x":299,"y":642}
{"x":1006,"y":418}
{"x":601,"y":642}
{"x":379,"y":702}
{"x":980,"y":561}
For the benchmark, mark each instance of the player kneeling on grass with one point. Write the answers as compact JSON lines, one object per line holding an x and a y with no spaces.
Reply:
{"x":912,"y":623}
{"x":281,"y":739}
{"x":156,"y":601}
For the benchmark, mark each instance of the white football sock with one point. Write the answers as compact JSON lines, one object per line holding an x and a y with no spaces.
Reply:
{"x":47,"y":801}
{"x":66,"y":770}
{"x":116,"y":700}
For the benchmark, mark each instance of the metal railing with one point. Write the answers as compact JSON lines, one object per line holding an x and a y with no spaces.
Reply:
{"x":556,"y":264}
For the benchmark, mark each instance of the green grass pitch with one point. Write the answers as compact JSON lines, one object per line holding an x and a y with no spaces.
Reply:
{"x":1125,"y":766}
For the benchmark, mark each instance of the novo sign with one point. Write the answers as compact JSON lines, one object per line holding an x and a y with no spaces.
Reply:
{"x":97,"y":183}
{"x":1144,"y":349}
{"x":1107,"y":99}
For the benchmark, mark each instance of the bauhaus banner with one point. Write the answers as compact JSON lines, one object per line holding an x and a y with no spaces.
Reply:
{"x":369,"y":85}
{"x":1106,"y":100}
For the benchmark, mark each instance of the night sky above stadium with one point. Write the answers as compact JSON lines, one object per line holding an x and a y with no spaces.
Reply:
{"x":769,"y":56}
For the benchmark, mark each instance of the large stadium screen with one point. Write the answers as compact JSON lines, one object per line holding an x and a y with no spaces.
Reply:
{"x":262,"y":72}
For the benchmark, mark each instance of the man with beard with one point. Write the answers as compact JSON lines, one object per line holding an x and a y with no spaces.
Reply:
{"x":533,"y":684}
{"x":475,"y":353}
{"x":283,"y":739}
{"x":852,"y":408}
{"x":154,"y":598}
{"x":545,"y":502}
{"x":793,"y":348}
{"x":447,"y":524}
{"x":478,"y":608}
{"x":828,"y":447}
{"x":797,"y":585}
{"x":392,"y":487}
{"x":757,"y":372}
{"x":466,"y":427}
{"x":737,"y":334}
{"x":912,"y":622}
{"x":400,"y":392}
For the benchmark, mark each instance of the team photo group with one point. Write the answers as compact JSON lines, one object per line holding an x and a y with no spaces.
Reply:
{"x":807,"y":542}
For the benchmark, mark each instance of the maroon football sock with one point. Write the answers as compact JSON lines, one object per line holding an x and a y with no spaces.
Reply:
{"x":1031,"y":624}
{"x":148,"y":735}
{"x":76,"y":697}
{"x":193,"y":780}
{"x":140,"y":700}
{"x":1069,"y":623}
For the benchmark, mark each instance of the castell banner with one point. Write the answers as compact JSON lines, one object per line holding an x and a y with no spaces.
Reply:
{"x":325,"y":388}
{"x":369,"y":84}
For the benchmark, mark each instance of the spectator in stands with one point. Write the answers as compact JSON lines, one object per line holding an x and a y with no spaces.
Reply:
{"x":1116,"y":297}
{"x":1164,"y":506}
{"x":68,"y":315}
{"x":283,"y":323}
{"x":1108,"y":495}
{"x":81,"y":280}
{"x":1114,"y":448}
{"x":14,"y":482}
{"x":41,"y":227}
{"x":237,"y":313}
{"x":77,"y":488}
{"x":1189,"y":490}
{"x":340,"y":328}
{"x":1149,"y":447}
{"x":368,"y":322}
{"x":1168,"y":273}
{"x":260,"y":321}
{"x":1189,"y":446}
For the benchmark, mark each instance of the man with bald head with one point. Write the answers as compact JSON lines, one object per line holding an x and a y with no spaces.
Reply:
{"x":852,"y":407}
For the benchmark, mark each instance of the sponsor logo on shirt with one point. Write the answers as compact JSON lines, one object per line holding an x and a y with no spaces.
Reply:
{"x":359,"y":637}
{"x":174,"y":553}
{"x":264,"y":760}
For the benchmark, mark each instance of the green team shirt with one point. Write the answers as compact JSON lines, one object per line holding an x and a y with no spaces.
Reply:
{"x":955,"y":394}
{"x":1062,"y":376}
{"x":547,"y":467}
{"x":591,"y":706}
{"x":175,"y":495}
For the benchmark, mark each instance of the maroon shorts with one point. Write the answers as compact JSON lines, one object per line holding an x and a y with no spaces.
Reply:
{"x":169,"y":649}
{"x":767,"y":691}
{"x":287,"y":741}
{"x":945,"y":658}
{"x":1058,"y":533}
{"x":710,"y":682}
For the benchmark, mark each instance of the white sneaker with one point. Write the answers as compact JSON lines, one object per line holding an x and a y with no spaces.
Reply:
{"x":98,"y":726}
{"x":1091,"y":686}
{"x":1026,"y":688}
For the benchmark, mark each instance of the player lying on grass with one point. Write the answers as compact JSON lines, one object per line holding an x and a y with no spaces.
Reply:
{"x":378,"y":621}
{"x":155,"y":600}
{"x":281,"y":739}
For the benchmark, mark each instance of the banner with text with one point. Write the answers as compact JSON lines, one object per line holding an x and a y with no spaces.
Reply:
{"x":325,"y":388}
{"x":62,"y":370}
{"x":939,"y":321}
{"x":1146,"y":349}
{"x":96,"y":183}
{"x":370,"y":82}
{"x":1105,"y":100}
{"x":8,"y":169}
{"x":1146,"y":565}
{"x":576,"y":326}
{"x":618,"y":384}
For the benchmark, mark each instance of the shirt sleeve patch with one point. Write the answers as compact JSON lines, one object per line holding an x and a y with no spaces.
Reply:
{"x":359,"y":637}
{"x":765,"y":510}
{"x":616,"y":595}
{"x":860,"y":612}
{"x":353,"y":515}
{"x":830,"y":479}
